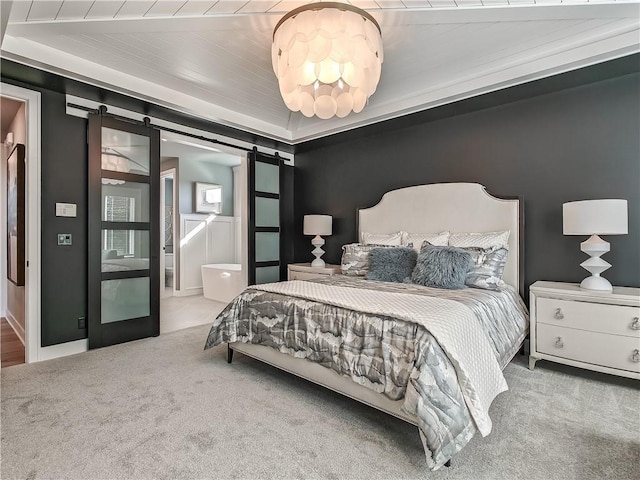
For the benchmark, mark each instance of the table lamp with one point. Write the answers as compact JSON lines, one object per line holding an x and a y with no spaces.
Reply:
{"x":317,"y":225}
{"x":595,"y":217}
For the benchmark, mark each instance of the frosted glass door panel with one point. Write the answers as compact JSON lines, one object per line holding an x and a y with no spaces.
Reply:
{"x":125,"y":152}
{"x":124,"y":201}
{"x":125,"y":299}
{"x":267,"y":212}
{"x":267,"y":178}
{"x":267,"y":275}
{"x":267,"y":247}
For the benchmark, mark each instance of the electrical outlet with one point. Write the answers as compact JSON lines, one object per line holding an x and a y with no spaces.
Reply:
{"x":82,"y":322}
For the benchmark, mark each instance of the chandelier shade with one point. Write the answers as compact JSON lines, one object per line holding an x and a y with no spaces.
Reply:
{"x":327,"y":58}
{"x":114,"y":162}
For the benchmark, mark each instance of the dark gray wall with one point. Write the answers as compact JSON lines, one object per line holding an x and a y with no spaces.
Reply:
{"x":574,"y":144}
{"x":64,"y":179}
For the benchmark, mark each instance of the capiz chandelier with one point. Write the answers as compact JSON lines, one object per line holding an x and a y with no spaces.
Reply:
{"x":328,"y":58}
{"x":115,"y":162}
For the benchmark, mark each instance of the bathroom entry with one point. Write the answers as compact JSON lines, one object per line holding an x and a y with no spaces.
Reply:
{"x":205,"y":220}
{"x":167,"y":201}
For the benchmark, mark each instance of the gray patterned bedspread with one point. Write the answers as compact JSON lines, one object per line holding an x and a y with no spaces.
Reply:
{"x":383,"y":353}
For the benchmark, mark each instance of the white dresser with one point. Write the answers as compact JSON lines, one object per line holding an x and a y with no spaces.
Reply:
{"x":587,"y":329}
{"x":304,"y":271}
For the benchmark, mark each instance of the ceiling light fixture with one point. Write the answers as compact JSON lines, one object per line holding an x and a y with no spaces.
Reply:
{"x":115,"y":162}
{"x":328,"y":58}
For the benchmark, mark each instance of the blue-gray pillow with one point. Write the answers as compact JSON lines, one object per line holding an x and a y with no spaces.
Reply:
{"x":391,"y":264}
{"x":441,"y":267}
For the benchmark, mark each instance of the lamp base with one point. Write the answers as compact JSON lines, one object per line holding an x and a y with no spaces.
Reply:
{"x":317,"y":252}
{"x":595,"y":247}
{"x":598,"y":283}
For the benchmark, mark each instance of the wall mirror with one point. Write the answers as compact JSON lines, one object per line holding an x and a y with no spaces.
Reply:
{"x":208,"y":198}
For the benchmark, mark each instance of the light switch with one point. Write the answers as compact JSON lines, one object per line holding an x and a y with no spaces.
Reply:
{"x":64,"y":239}
{"x":66,"y":210}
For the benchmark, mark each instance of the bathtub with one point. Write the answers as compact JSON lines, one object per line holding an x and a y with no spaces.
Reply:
{"x":222,"y":281}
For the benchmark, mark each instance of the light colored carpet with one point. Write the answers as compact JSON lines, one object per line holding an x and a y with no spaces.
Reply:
{"x":164,"y":408}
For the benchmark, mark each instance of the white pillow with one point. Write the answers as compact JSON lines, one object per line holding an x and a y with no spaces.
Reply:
{"x":480,"y":240}
{"x":382,"y":238}
{"x":417,"y":239}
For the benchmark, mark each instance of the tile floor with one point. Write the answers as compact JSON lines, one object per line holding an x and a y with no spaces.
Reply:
{"x":177,"y":313}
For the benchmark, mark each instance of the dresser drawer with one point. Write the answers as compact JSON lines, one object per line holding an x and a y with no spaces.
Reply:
{"x":293,"y":275}
{"x":595,"y":317}
{"x":612,"y":351}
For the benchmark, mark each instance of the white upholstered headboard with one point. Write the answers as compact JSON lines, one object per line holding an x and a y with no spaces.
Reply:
{"x":456,"y":207}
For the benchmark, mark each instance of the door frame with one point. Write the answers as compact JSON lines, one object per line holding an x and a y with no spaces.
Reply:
{"x":33,"y":349}
{"x":164,"y":174}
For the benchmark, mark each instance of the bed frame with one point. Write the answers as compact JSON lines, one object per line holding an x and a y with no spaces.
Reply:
{"x":457,"y":207}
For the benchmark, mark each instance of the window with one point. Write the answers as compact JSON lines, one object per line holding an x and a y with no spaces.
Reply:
{"x":119,"y":209}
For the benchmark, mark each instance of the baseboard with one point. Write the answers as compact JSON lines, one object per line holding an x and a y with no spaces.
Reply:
{"x":188,"y":293}
{"x":11,"y":320}
{"x":63,"y":349}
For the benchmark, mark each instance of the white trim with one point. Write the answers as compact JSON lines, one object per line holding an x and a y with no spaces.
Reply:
{"x":188,"y":292}
{"x":3,"y":233}
{"x":11,"y":320}
{"x":32,"y":335}
{"x":286,"y":156}
{"x":63,"y":349}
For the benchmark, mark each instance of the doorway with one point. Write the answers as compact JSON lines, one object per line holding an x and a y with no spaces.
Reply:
{"x":168,"y":199}
{"x":30,"y":301}
{"x":205,"y":191}
{"x":13,"y":132}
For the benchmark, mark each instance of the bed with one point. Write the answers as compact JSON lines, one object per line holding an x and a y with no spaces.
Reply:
{"x":430,"y":357}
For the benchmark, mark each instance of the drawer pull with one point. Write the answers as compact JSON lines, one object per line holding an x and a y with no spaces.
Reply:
{"x":559,"y":343}
{"x":635,"y":357}
{"x":558,"y":315}
{"x":635,"y":325}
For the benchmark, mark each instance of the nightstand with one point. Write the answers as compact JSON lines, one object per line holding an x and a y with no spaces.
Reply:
{"x":304,"y":271}
{"x":587,"y":329}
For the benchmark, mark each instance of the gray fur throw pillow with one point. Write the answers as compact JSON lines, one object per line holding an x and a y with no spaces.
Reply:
{"x":391,"y":264}
{"x":441,"y":267}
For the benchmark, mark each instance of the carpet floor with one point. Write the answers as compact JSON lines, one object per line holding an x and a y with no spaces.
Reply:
{"x":164,"y":408}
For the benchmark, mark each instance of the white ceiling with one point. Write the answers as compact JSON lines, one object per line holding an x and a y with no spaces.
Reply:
{"x":212,"y":59}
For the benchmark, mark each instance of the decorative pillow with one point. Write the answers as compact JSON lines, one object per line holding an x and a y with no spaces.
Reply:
{"x":488,"y":267}
{"x":355,"y":258}
{"x":382,"y":238}
{"x":392,"y":264}
{"x":417,"y":239}
{"x":480,"y":240}
{"x":441,"y":267}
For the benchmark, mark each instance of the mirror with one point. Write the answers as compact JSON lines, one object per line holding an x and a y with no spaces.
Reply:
{"x":208,"y":198}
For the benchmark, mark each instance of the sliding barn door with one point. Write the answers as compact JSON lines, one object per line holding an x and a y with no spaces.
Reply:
{"x":270,"y":218}
{"x":124,"y":231}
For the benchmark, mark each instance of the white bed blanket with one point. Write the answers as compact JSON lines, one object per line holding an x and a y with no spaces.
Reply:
{"x":453,"y":324}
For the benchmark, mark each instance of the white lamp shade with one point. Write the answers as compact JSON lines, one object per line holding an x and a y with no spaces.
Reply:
{"x":599,"y":217}
{"x":317,"y":225}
